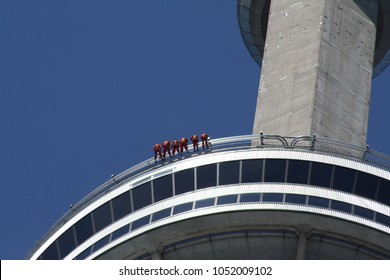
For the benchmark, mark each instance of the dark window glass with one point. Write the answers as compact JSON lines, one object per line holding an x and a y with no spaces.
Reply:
{"x":66,"y":243}
{"x":341,"y":206}
{"x":227,"y":199}
{"x":250,"y":197}
{"x":184,"y":181}
{"x":182,"y":208}
{"x":121,"y":205}
{"x":318,"y":201}
{"x":83,"y":229}
{"x":383,"y":219}
{"x":84,"y":254}
{"x":142,"y":196}
{"x":384,"y":192}
{"x":102,"y":216}
{"x":321,"y":174}
{"x":275,"y":170}
{"x":366,"y":185}
{"x":140,"y":222}
{"x":100,"y":243}
{"x":272,"y":197}
{"x":162,"y":188}
{"x":298,"y":171}
{"x":161,"y":214}
{"x":252,"y":171}
{"x":51,"y":253}
{"x":363,"y":212}
{"x":206,"y":176}
{"x":204,"y":203}
{"x":119,"y":232}
{"x":344,"y":179}
{"x":295,"y":198}
{"x":229,"y":172}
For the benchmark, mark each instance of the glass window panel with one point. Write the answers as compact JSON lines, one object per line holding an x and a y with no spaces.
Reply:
{"x":252,"y":170}
{"x":384,"y":192}
{"x":318,"y":201}
{"x":140,"y":222}
{"x":66,"y":243}
{"x":142,"y":196}
{"x":204,"y":203}
{"x":83,"y":229}
{"x":162,"y":188}
{"x":102,"y":216}
{"x":295,"y":198}
{"x":341,"y":206}
{"x":206,"y":176}
{"x":298,"y":171}
{"x":120,"y":232}
{"x":344,"y":179}
{"x":366,"y":185}
{"x":275,"y":170}
{"x":51,"y":253}
{"x":321,"y":174}
{"x":182,"y":208}
{"x":383,"y":219}
{"x":84,"y":254}
{"x":184,"y":181}
{"x":363,"y":212}
{"x":250,"y":197}
{"x":229,"y":172}
{"x":227,"y":199}
{"x":100,"y":243}
{"x":272,"y":197}
{"x":121,"y":205}
{"x":161,"y":214}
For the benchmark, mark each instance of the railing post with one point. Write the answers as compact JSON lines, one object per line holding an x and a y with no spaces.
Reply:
{"x":313,"y":140}
{"x":261,"y":139}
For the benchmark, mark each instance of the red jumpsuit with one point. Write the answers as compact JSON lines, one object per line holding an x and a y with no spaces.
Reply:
{"x":204,"y":138}
{"x":194,"y":139}
{"x":166,"y":148}
{"x":157,"y":150}
{"x":183,"y":144}
{"x":175,"y":146}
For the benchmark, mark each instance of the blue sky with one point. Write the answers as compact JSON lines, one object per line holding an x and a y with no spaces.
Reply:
{"x":88,"y":87}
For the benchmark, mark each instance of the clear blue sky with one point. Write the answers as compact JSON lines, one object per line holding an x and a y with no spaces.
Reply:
{"x":88,"y":87}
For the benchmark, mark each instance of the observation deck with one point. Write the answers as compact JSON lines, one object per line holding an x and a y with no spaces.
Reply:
{"x":248,"y":197}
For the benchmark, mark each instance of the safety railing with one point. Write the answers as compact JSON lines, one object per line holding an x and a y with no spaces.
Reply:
{"x":259,"y":141}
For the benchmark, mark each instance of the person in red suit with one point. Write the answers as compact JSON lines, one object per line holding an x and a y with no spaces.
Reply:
{"x":166,"y":148}
{"x":194,"y":139}
{"x":183,"y":144}
{"x":157,"y":151}
{"x":175,"y":146}
{"x":204,"y":137}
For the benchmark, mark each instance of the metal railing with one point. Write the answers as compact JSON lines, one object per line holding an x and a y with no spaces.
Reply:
{"x":259,"y":141}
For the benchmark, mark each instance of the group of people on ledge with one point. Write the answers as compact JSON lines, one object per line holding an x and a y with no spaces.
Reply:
{"x":179,"y":146}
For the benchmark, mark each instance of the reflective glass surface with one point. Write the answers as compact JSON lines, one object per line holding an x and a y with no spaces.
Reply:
{"x":250,"y":197}
{"x":182,"y":208}
{"x":383,"y":219}
{"x":119,"y":232}
{"x":272,"y":197}
{"x":184,"y":181}
{"x":366,"y":185}
{"x":102,"y":216}
{"x":206,"y":176}
{"x":321,"y":174}
{"x":363,"y":212}
{"x":384,"y":192}
{"x":100,"y":243}
{"x":66,"y":242}
{"x":162,"y":188}
{"x":204,"y":203}
{"x":229,"y":172}
{"x":341,"y":206}
{"x":252,"y":170}
{"x":275,"y":170}
{"x":51,"y":253}
{"x":318,"y":201}
{"x":298,"y":171}
{"x":344,"y":179}
{"x":295,"y":198}
{"x":140,"y":222}
{"x":83,"y":229}
{"x":227,"y":199}
{"x":161,"y":214}
{"x":121,"y":205}
{"x":142,"y":196}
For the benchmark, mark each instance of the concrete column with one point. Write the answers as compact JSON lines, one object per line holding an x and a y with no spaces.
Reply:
{"x":317,"y":69}
{"x":156,"y":255}
{"x":302,"y":245}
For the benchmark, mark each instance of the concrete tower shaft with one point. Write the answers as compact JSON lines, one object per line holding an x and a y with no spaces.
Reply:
{"x":317,"y":66}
